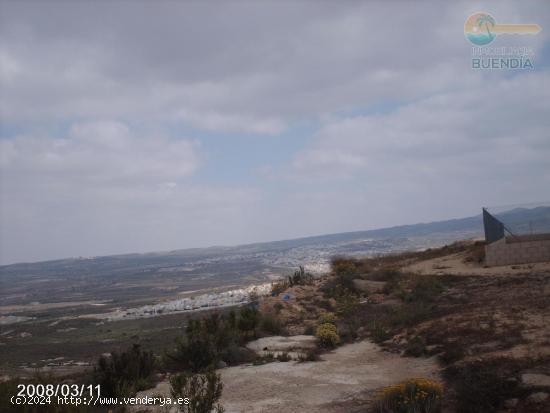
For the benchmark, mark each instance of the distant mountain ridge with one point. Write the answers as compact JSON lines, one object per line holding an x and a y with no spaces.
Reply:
{"x":132,"y":279}
{"x":518,"y":219}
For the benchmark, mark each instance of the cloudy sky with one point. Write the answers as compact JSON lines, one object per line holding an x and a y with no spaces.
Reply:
{"x":132,"y":127}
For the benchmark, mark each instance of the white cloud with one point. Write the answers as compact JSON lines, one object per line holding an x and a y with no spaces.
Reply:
{"x":232,"y":122}
{"x":457,"y":138}
{"x":435,"y":158}
{"x":99,"y":152}
{"x":454,"y":126}
{"x":9,"y":68}
{"x":101,"y":171}
{"x":105,"y":189}
{"x":252,"y":68}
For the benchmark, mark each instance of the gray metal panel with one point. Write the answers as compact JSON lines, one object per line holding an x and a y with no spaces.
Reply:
{"x":494,"y":229}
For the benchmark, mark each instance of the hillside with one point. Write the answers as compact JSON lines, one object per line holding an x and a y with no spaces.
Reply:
{"x":438,"y":314}
{"x":178,"y":271}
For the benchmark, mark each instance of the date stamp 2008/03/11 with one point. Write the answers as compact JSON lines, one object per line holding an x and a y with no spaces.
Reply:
{"x":81,"y":394}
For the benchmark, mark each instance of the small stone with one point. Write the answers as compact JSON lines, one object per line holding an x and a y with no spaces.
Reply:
{"x":537,"y":380}
{"x":221,"y":364}
{"x":537,"y":397}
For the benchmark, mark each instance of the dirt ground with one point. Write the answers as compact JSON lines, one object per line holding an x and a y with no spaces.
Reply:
{"x":507,"y":301}
{"x":479,"y":316}
{"x":344,"y":380}
{"x":455,"y":264}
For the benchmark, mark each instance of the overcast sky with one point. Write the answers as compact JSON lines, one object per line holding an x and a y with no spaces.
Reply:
{"x":133,"y":127}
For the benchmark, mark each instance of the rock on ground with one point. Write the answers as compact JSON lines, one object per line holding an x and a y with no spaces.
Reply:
{"x":536,"y":380}
{"x":538,"y":397}
{"x":276,"y":344}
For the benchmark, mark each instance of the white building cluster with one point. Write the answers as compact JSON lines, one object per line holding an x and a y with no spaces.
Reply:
{"x":197,"y":303}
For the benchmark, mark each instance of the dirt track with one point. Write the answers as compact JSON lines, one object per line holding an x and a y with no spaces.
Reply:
{"x":455,"y":264}
{"x":343,"y":380}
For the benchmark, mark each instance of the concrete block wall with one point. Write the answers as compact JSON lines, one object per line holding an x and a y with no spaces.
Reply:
{"x":503,"y":252}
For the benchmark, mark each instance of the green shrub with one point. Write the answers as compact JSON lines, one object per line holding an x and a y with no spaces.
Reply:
{"x":270,"y":324}
{"x":7,"y":389}
{"x":329,"y":318}
{"x":248,"y":320}
{"x":202,"y":391}
{"x":345,"y":271}
{"x":327,"y":334}
{"x":424,"y":289}
{"x":481,"y":386}
{"x":322,"y":303}
{"x":328,"y":288}
{"x":344,"y":267}
{"x":195,"y":352}
{"x":378,"y":331}
{"x":234,"y":354}
{"x":411,"y":396}
{"x":347,"y":304}
{"x":205,"y":343}
{"x":410,"y":314}
{"x":415,"y":347}
{"x":385,"y":274}
{"x":278,"y":307}
{"x":231,"y":320}
{"x":393,"y":279}
{"x":217,"y":337}
{"x":452,"y":352}
{"x":123,"y":374}
{"x":300,"y":277}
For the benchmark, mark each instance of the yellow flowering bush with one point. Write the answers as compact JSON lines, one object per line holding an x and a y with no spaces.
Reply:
{"x":327,"y":334}
{"x":411,"y":396}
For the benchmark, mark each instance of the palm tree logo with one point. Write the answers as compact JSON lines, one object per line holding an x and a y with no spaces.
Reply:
{"x":479,"y":28}
{"x":487,"y":20}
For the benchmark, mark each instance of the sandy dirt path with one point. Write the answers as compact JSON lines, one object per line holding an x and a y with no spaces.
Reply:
{"x":345,"y":378}
{"x":454,"y":264}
